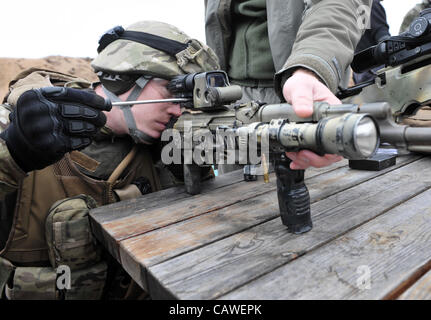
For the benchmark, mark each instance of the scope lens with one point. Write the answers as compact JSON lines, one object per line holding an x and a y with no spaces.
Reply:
{"x":366,"y":136}
{"x":216,"y":79}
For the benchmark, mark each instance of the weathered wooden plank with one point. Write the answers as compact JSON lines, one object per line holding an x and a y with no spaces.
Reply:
{"x":185,"y":209}
{"x":421,"y":290}
{"x":132,"y":207}
{"x":142,"y":217}
{"x":143,"y":220}
{"x":220,"y":267}
{"x":369,"y":262}
{"x":154,"y":247}
{"x":126,"y":208}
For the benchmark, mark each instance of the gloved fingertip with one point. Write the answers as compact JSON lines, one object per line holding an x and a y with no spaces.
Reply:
{"x":108,"y":105}
{"x":50,"y":91}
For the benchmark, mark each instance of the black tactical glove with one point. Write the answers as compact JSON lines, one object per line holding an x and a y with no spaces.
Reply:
{"x":49,"y":122}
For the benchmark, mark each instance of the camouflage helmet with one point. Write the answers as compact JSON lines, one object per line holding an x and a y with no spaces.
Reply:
{"x":129,"y":57}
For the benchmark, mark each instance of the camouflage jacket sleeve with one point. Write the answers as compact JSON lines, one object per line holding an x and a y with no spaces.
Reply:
{"x":326,"y":40}
{"x":10,"y":173}
{"x":413,"y":13}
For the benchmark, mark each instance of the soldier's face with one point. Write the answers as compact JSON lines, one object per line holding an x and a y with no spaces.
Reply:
{"x":153,"y":118}
{"x":150,"y":118}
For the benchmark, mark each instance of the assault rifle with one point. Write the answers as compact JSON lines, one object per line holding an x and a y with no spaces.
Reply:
{"x":352,"y":135}
{"x":350,"y":130}
{"x":404,"y":81}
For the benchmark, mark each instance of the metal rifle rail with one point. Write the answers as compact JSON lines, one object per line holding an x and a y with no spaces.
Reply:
{"x":127,"y":103}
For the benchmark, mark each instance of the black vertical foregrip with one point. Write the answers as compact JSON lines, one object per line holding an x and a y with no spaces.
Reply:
{"x":192,"y":178}
{"x":293,"y":197}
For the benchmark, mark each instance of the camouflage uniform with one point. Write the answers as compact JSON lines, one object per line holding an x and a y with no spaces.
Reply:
{"x":412,"y":14}
{"x":422,"y":116}
{"x":44,"y":213}
{"x":29,"y":199}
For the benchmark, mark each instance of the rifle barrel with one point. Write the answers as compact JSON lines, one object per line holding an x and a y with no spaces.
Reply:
{"x":127,"y":103}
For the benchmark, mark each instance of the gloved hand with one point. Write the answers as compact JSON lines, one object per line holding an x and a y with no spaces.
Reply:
{"x":49,"y":122}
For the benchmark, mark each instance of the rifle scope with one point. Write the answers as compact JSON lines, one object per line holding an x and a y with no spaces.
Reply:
{"x":207,"y":91}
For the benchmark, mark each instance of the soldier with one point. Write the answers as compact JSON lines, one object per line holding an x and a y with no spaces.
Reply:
{"x":64,"y":152}
{"x":308,"y":46}
{"x":422,"y":116}
{"x":413,"y":13}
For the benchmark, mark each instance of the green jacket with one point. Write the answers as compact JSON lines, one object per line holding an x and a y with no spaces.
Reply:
{"x":319,"y":35}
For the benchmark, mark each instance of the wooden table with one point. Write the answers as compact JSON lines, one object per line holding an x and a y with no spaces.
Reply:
{"x":371,"y":237}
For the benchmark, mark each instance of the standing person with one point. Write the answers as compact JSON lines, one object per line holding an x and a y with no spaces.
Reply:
{"x":287,"y":50}
{"x":63,"y":151}
{"x":421,"y":116}
{"x":379,"y":31}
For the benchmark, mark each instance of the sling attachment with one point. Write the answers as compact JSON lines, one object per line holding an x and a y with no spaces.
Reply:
{"x":122,"y":166}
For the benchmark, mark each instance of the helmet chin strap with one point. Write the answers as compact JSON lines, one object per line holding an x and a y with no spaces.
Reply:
{"x":137,"y":135}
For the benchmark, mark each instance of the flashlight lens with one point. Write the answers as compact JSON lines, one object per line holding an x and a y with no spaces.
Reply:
{"x":366,"y":137}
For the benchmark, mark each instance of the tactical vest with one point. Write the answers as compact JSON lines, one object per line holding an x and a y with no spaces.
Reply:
{"x":26,"y":245}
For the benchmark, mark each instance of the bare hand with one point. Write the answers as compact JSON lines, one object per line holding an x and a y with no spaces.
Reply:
{"x":301,"y":90}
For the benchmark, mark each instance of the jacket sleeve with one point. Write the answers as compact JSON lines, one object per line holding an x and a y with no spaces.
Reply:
{"x":11,"y":174}
{"x":326,"y":40}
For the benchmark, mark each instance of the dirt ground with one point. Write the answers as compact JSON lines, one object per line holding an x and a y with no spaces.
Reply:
{"x":10,"y":67}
